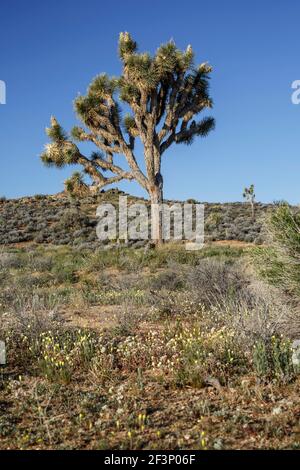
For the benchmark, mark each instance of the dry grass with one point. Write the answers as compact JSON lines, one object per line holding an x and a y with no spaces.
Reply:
{"x":127,"y":350}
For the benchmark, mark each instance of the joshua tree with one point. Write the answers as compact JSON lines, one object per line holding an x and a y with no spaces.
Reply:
{"x":164,"y":93}
{"x":249,"y":196}
{"x":75,"y":185}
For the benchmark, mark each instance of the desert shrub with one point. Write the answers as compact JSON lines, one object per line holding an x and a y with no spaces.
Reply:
{"x":40,"y":197}
{"x":4,"y":275}
{"x":122,"y":258}
{"x":25,"y":281}
{"x":41,"y":226}
{"x":212,"y":357}
{"x":64,"y":273}
{"x":170,"y":280}
{"x":272,"y":359}
{"x":231,"y":337}
{"x":47,"y":348}
{"x":72,"y":219}
{"x":41,"y":263}
{"x":188,"y":289}
{"x":279,"y":264}
{"x":186,"y":353}
{"x":102,"y":368}
{"x":59,"y":353}
{"x":40,"y":238}
{"x":269,"y":264}
{"x":223,"y":298}
{"x":128,"y":322}
{"x":249,"y":237}
{"x":11,"y":260}
{"x":27,"y":321}
{"x":165,"y":304}
{"x":13,"y":236}
{"x":214,"y":218}
{"x":217,"y":282}
{"x":67,"y":255}
{"x":20,"y":302}
{"x":106,"y":296}
{"x":147,"y":350}
{"x":65,"y":240}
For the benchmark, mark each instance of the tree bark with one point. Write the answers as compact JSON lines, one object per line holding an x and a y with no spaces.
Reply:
{"x":156,"y":198}
{"x":252,"y":210}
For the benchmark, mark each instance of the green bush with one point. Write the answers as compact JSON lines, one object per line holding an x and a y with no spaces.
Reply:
{"x":272,"y":359}
{"x":64,"y":273}
{"x":280,"y":264}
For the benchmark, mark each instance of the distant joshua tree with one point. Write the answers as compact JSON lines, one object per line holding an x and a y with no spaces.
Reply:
{"x":164,"y":93}
{"x":249,"y":196}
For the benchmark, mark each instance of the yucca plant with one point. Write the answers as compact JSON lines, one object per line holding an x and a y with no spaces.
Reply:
{"x":164,"y":93}
{"x":75,"y":185}
{"x":280,"y":263}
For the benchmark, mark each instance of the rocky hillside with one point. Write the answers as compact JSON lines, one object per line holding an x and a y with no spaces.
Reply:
{"x":61,"y":220}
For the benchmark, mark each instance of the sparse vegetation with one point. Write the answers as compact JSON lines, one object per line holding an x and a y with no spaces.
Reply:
{"x":61,"y":220}
{"x":136,"y":349}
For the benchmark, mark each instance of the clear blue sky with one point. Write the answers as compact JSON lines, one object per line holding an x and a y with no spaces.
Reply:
{"x":51,"y":50}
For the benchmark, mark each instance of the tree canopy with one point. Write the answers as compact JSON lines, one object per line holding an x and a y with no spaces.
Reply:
{"x":164,"y":92}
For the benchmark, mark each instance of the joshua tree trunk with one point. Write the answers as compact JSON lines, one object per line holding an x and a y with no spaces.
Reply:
{"x":252,"y":210}
{"x":156,"y":199}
